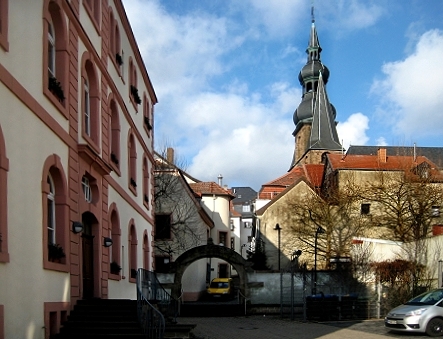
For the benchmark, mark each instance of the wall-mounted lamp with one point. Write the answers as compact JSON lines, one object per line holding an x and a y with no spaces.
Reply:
{"x":107,"y":242}
{"x":77,"y":226}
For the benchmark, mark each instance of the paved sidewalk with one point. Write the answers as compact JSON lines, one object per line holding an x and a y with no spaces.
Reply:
{"x":273,"y":327}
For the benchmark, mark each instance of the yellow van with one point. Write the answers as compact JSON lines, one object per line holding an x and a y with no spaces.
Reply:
{"x":221,"y":287}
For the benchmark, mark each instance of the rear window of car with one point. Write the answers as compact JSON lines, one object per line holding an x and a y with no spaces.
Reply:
{"x":219,"y":284}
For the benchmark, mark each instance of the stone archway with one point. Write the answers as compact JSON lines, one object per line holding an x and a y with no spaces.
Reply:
{"x":210,"y":251}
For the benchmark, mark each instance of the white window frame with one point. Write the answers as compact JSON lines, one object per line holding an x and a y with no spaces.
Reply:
{"x":86,"y":189}
{"x":87,"y":108}
{"x":51,"y":211}
{"x":51,"y":50}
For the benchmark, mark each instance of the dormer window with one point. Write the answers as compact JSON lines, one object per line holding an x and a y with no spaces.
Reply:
{"x":422,"y":170}
{"x":365,"y":209}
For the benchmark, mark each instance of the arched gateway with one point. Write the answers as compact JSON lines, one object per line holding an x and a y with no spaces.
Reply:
{"x":210,"y":251}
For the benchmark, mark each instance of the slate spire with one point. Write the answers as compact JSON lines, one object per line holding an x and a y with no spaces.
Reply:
{"x":323,"y":132}
{"x":314,"y":118}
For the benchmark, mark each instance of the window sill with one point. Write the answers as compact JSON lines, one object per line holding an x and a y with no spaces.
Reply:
{"x":54,"y":266}
{"x":116,"y":277}
{"x":147,"y":130}
{"x":61,"y":107}
{"x":133,"y":189}
{"x":115,"y":168}
{"x":4,"y":257}
{"x":116,"y":65}
{"x":91,"y":143}
{"x":146,"y":204}
{"x":134,"y":104}
{"x":4,"y":42}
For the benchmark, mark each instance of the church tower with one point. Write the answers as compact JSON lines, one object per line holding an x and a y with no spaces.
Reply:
{"x":315,"y":127}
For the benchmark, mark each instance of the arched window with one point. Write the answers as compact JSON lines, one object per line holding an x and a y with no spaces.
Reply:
{"x":115,"y":136}
{"x":51,"y":51}
{"x":117,"y":42}
{"x":147,"y":115}
{"x":146,"y":251}
{"x":111,"y":31}
{"x":133,"y":89}
{"x":132,"y":252}
{"x":55,"y":216}
{"x":4,"y":24}
{"x":51,"y":211}
{"x":114,"y":42}
{"x":132,"y":151}
{"x":146,"y":191}
{"x":87,"y":107}
{"x":93,"y":9}
{"x":115,"y":259}
{"x":90,"y":103}
{"x":56,"y":55}
{"x":4,"y":167}
{"x":309,"y":87}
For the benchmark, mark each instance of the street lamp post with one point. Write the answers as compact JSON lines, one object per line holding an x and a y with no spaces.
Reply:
{"x":317,"y":232}
{"x":278,"y":229}
{"x":294,"y":262}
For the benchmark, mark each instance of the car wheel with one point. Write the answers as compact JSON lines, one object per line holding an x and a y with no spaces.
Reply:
{"x":435,"y":327}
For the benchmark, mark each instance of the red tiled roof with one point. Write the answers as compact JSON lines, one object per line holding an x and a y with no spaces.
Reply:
{"x":384,"y":163}
{"x":234,"y":213}
{"x":312,"y":172}
{"x":373,"y":162}
{"x":203,"y":188}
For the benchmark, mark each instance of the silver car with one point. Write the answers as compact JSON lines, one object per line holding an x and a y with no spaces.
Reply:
{"x":420,"y":314}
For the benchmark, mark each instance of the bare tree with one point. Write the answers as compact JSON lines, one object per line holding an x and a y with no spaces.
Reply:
{"x":327,"y":221}
{"x":404,"y":201}
{"x":180,"y":221}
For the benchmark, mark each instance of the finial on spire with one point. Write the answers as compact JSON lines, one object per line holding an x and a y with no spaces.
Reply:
{"x":312,"y":11}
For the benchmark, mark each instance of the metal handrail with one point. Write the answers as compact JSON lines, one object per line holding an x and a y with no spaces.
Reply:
{"x":152,"y":290}
{"x":149,"y":317}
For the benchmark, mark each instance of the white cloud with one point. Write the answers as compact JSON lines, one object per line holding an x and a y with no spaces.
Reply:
{"x":353,"y":130}
{"x":350,"y":15}
{"x":411,"y":90}
{"x":250,"y":155}
{"x":239,"y":136}
{"x":381,"y":142}
{"x":278,"y":16}
{"x":181,"y":52}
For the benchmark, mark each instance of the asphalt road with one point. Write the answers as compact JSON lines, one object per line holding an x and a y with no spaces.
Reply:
{"x":273,"y":327}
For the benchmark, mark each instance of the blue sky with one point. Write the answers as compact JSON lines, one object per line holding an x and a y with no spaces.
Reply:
{"x":226,"y":76}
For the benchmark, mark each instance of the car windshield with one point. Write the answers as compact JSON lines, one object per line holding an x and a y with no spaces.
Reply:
{"x":219,"y":284}
{"x":428,"y":298}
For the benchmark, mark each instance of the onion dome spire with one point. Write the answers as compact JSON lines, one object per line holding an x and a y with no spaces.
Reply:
{"x":314,"y":118}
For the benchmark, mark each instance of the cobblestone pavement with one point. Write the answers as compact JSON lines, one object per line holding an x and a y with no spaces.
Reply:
{"x":273,"y":327}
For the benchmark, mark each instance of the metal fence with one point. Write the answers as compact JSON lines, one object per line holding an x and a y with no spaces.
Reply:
{"x":333,"y":301}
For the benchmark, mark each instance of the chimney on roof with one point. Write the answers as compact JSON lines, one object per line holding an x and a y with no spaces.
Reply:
{"x":381,"y":153}
{"x":170,"y":155}
{"x":220,"y":180}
